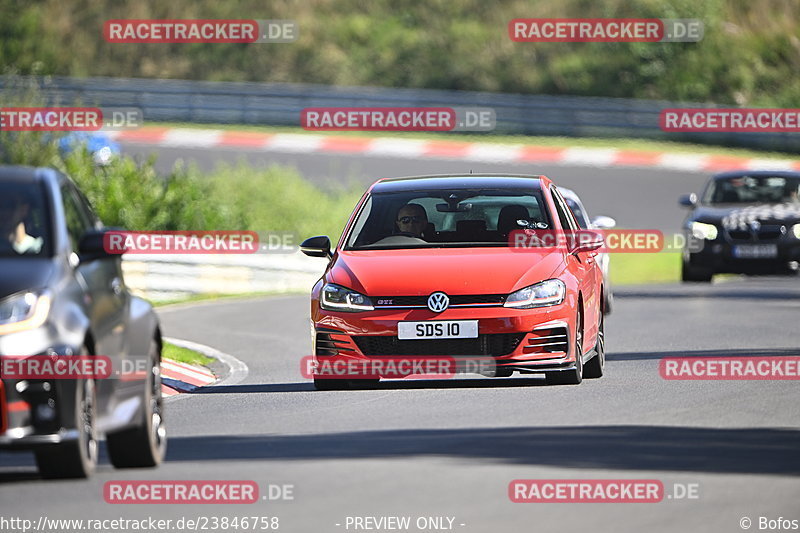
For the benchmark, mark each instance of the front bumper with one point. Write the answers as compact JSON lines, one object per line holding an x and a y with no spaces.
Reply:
{"x":526,"y":340}
{"x":36,"y":412}
{"x":718,"y":256}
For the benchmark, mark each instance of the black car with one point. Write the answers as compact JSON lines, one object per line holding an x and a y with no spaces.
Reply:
{"x":748,"y":223}
{"x":62,"y":295}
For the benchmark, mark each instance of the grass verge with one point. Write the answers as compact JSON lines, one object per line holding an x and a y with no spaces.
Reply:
{"x":215,"y":297}
{"x":642,"y":268}
{"x":184,"y":355}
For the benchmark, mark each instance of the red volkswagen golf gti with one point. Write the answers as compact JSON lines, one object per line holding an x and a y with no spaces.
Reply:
{"x":430,"y":267}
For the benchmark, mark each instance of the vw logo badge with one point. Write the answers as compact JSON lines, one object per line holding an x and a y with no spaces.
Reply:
{"x":755,"y":225}
{"x":438,"y":302}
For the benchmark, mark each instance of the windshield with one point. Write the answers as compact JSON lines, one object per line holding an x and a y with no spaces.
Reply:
{"x":752,"y":190}
{"x":24,"y":228}
{"x":445,"y":218}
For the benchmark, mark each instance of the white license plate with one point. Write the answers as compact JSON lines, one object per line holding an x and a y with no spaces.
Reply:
{"x":440,"y":329}
{"x":755,"y":251}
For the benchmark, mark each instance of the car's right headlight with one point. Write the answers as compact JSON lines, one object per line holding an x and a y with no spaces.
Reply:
{"x":549,"y":292}
{"x":796,"y":231}
{"x":23,"y":311}
{"x":337,"y":298}
{"x":701,"y":230}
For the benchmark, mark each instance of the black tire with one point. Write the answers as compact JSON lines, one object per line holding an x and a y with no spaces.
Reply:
{"x":502,"y":372}
{"x":77,"y":458}
{"x":593,"y":368}
{"x":692,"y":274}
{"x":608,"y":302}
{"x":143,"y":446}
{"x":574,"y":376}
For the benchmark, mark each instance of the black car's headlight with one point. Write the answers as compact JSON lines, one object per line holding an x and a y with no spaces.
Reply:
{"x":338,"y":298}
{"x":23,"y":311}
{"x":701,"y":230}
{"x":549,"y":292}
{"x":796,"y":231}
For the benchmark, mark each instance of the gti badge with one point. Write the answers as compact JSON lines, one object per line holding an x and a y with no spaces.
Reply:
{"x":438,"y":302}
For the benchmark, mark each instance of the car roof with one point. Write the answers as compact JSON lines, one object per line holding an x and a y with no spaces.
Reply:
{"x":22,"y":174}
{"x":757,"y":173}
{"x":459,"y":181}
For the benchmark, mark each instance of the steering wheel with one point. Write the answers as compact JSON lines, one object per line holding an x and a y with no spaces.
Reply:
{"x":405,"y":234}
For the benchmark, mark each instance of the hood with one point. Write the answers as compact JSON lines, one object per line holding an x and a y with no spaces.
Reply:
{"x":20,"y":274}
{"x":454,"y":271}
{"x":742,"y":216}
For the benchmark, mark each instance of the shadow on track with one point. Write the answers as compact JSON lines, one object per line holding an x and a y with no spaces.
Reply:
{"x":479,"y":383}
{"x":736,"y":352}
{"x":684,"y":449}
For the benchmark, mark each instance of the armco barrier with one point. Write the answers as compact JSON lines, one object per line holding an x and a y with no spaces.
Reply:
{"x":281,"y":104}
{"x":167,"y":277}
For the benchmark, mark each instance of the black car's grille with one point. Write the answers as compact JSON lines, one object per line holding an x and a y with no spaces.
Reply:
{"x":762,"y":234}
{"x":495,"y":344}
{"x":456,"y":299}
{"x":549,"y":340}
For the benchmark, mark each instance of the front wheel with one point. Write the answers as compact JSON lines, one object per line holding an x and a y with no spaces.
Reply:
{"x":594,"y":368}
{"x":75,"y":458}
{"x":145,"y":445}
{"x":695,"y":274}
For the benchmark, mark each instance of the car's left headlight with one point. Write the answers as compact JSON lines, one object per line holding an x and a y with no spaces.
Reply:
{"x":549,"y":292}
{"x":22,"y":311}
{"x":796,"y":231}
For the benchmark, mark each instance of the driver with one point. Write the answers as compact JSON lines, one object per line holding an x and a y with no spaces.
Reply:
{"x":14,"y":209}
{"x":412,"y":219}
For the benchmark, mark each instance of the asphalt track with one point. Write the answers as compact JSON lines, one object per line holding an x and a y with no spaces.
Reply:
{"x":450,"y":448}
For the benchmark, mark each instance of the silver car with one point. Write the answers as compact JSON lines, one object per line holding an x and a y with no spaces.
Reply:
{"x":599,"y":222}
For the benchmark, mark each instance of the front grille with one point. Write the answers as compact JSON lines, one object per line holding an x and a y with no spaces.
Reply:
{"x":762,"y":234}
{"x":456,"y":299}
{"x":549,"y":340}
{"x":495,"y":344}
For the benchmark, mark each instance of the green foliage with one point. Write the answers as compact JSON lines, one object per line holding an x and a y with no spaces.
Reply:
{"x":132,"y":195}
{"x":749,"y":56}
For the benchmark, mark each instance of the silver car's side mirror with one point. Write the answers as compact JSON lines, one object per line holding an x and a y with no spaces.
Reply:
{"x":603,"y":222}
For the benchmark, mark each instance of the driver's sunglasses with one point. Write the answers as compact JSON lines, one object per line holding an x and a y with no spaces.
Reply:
{"x":409,"y":220}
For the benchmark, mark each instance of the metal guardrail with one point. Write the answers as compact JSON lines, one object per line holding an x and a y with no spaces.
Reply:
{"x":281,"y":104}
{"x":168,"y":277}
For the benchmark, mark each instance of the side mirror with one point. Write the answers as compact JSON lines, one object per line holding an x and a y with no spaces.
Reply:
{"x":92,"y":245}
{"x":586,"y":241}
{"x":317,"y":247}
{"x":688,"y":200}
{"x":603,"y":222}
